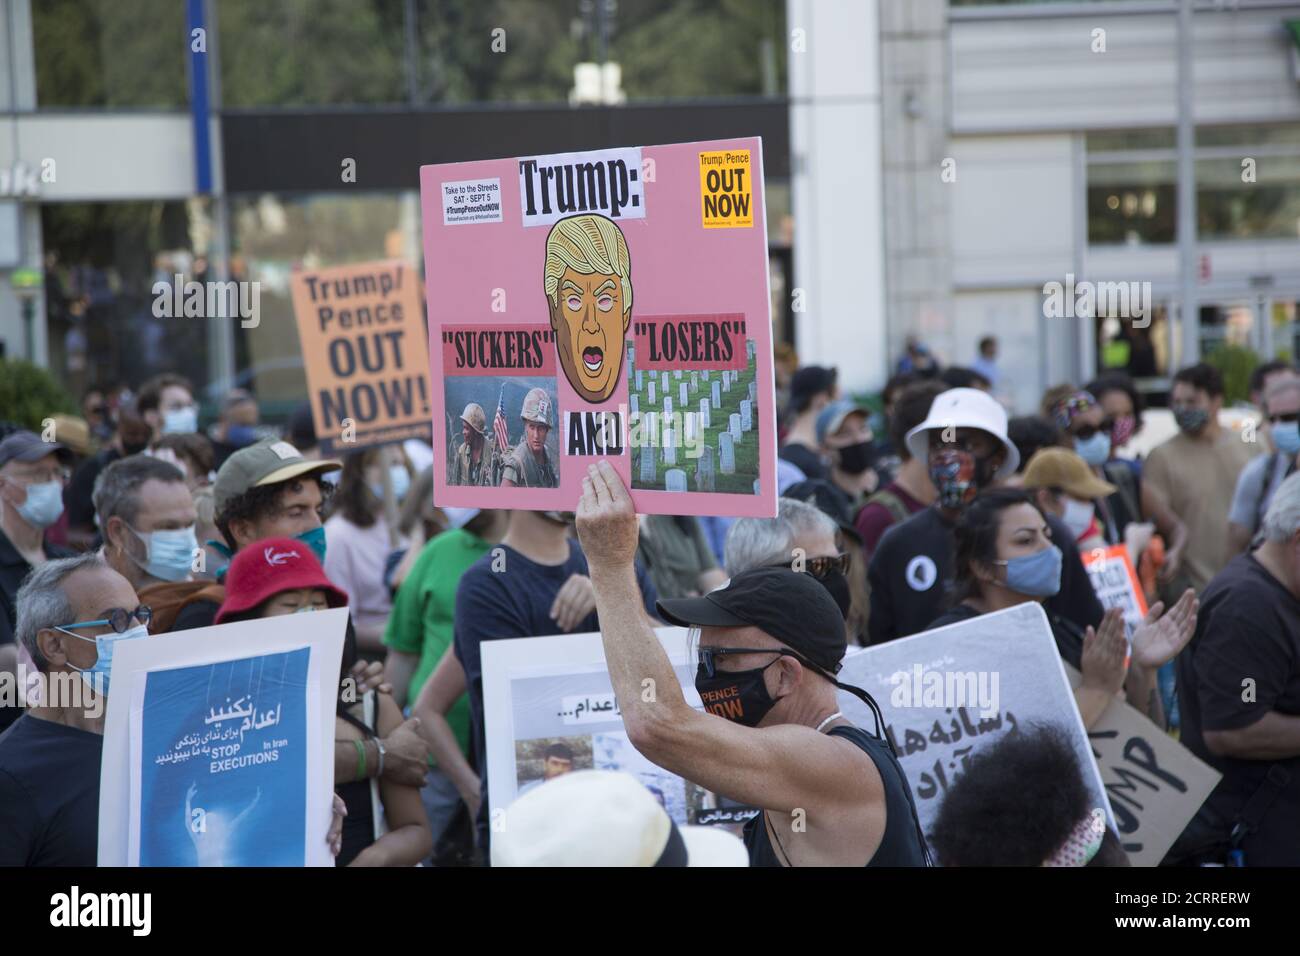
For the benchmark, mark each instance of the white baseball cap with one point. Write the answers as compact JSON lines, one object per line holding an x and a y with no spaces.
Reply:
{"x":604,"y":818}
{"x":965,"y":408}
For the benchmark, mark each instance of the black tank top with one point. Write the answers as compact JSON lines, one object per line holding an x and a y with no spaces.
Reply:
{"x":901,"y":844}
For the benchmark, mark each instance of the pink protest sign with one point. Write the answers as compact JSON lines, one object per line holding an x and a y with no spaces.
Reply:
{"x":608,"y":304}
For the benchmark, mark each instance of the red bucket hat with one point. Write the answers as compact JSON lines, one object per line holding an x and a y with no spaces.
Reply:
{"x":265,"y":568}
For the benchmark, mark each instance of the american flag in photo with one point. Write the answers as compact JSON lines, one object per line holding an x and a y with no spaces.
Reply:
{"x":499,"y":422}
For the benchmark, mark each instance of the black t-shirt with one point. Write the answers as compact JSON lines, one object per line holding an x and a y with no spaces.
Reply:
{"x":806,"y":460}
{"x":912,"y":567}
{"x":77,"y":497}
{"x":1069,"y":639}
{"x":1248,"y":629}
{"x":491,"y":605}
{"x":49,"y":794}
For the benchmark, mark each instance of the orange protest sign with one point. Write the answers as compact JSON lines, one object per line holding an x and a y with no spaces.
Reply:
{"x":1116,"y":583}
{"x":364,"y":349}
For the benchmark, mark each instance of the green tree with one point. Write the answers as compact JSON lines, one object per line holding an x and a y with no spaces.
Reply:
{"x":30,"y":394}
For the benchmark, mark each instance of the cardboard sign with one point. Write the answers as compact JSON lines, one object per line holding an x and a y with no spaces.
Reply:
{"x":553,"y":694}
{"x":1116,"y":583}
{"x":364,"y":351}
{"x":219,"y":745}
{"x":608,"y":304}
{"x":1155,"y":784}
{"x":949,"y":693}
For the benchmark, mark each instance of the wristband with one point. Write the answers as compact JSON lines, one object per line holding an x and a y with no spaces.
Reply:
{"x":361,"y":759}
{"x":380,"y":744}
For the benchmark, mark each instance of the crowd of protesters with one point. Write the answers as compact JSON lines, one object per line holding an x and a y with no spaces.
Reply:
{"x":934,"y":509}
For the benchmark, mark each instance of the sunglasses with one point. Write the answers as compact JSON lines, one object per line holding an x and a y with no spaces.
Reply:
{"x":1284,"y":417}
{"x":708,"y":656}
{"x":119,"y":619}
{"x":1087,"y":431}
{"x":820,"y":567}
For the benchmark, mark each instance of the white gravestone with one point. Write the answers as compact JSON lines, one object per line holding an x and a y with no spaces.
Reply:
{"x":726,"y":453}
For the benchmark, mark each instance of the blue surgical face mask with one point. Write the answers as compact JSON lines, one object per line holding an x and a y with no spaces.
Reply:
{"x":314,"y":539}
{"x":44,"y":504}
{"x":1095,"y":450}
{"x":104,"y":649}
{"x":1286,"y":435}
{"x":1035,"y":575}
{"x":169,"y":555}
{"x":401,"y":480}
{"x":181,"y":421}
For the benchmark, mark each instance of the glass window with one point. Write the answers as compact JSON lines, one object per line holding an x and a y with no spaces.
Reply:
{"x":1267,"y":208}
{"x":1132,"y":202}
{"x":272,"y":237}
{"x":1247,"y":184}
{"x":110,"y":54}
{"x":312,"y":52}
{"x":101,"y":263}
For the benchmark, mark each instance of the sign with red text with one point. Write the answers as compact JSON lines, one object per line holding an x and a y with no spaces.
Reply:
{"x":606,"y":304}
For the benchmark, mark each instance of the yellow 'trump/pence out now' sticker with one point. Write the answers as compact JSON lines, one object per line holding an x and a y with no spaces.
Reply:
{"x":726,"y":189}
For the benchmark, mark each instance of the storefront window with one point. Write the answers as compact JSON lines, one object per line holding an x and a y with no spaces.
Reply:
{"x":101,"y":263}
{"x":110,"y":54}
{"x":1247,"y":184}
{"x":274,"y":236}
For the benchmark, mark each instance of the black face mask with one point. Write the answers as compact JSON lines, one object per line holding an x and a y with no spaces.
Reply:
{"x":855,"y":459}
{"x":738,"y":696}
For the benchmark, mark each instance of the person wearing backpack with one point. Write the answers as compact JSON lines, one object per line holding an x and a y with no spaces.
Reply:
{"x":911,"y":490}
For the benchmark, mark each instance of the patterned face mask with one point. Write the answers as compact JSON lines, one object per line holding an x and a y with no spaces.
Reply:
{"x":1082,"y":844}
{"x":958,"y":476}
{"x":1122,"y":431}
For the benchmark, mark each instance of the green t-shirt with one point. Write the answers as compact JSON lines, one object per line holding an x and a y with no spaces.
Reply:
{"x":425,"y":610}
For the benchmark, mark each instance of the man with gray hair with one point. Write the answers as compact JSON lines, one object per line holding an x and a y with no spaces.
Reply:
{"x":801,"y":536}
{"x":70,"y":613}
{"x":1239,"y":694}
{"x":147,"y":518}
{"x":1259,"y":480}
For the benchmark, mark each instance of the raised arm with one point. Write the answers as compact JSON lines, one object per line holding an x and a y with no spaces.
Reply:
{"x":778,"y":768}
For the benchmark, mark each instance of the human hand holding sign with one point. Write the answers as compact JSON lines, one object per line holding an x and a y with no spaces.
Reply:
{"x":606,"y":519}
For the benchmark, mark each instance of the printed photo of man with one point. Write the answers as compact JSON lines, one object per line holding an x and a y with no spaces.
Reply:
{"x":529,"y":465}
{"x":472,"y":465}
{"x":589,"y":295}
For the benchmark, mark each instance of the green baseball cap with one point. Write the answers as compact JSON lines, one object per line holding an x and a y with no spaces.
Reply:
{"x":266,"y":463}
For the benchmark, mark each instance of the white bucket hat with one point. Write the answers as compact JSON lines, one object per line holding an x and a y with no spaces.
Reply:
{"x":604,"y":818}
{"x":965,"y":408}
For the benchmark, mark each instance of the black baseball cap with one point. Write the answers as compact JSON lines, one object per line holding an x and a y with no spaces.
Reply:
{"x":809,"y":381}
{"x":789,"y":605}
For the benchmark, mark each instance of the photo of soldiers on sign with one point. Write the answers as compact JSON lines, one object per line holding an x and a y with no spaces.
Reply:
{"x":504,"y":442}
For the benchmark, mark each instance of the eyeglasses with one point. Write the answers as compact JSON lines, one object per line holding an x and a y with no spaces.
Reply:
{"x":1284,"y":417}
{"x":119,"y":619}
{"x":58,"y":474}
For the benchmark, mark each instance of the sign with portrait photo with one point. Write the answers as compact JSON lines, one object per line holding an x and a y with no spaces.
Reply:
{"x":606,"y":304}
